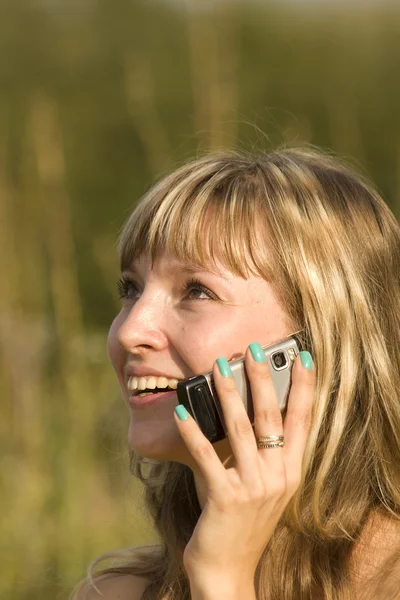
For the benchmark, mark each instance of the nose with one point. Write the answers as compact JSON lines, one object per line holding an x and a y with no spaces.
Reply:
{"x":143,"y":328}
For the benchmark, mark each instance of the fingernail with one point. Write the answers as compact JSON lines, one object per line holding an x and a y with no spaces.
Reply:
{"x":257,"y":352}
{"x":306,"y":359}
{"x":224,"y":367}
{"x":181,"y":412}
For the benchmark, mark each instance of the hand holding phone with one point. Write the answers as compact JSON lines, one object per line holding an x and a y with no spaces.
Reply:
{"x":243,"y":502}
{"x":199,"y":396}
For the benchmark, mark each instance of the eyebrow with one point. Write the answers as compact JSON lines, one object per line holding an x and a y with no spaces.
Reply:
{"x":186,"y":269}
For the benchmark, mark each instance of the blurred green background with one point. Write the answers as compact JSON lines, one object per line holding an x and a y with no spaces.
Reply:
{"x":97,"y":100}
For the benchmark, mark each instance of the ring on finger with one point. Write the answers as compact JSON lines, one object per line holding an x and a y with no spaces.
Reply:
{"x":271,"y":441}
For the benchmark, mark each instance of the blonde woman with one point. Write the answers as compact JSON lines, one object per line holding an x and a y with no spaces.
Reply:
{"x":228,"y":253}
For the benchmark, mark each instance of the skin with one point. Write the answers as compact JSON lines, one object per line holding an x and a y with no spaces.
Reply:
{"x":182,"y":335}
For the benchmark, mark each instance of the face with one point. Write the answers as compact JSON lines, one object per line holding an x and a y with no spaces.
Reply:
{"x":167,"y":329}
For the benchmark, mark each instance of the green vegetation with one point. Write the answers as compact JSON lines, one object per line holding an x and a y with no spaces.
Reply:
{"x":97,"y":99}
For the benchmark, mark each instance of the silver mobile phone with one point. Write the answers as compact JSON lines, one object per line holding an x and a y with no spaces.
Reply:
{"x":200,"y":398}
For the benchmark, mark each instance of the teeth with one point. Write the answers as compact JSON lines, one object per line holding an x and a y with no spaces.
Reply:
{"x":162,"y":382}
{"x":141,"y":384}
{"x":150,"y":383}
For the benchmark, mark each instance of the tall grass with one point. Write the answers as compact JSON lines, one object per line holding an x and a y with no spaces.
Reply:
{"x":96,"y":105}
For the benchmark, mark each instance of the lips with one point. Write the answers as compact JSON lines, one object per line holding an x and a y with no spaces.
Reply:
{"x":143,"y":402}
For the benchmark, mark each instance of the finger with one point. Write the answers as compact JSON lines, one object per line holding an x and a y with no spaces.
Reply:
{"x":267,"y":414}
{"x":298,"y":417}
{"x":238,"y":425}
{"x":200,"y":448}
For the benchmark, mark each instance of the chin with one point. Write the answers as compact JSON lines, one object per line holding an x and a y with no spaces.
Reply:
{"x":151,"y":442}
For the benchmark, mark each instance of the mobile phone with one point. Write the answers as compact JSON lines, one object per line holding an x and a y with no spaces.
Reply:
{"x":199,"y":396}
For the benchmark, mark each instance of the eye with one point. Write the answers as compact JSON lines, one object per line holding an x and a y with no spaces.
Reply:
{"x":126,"y":288}
{"x":196,"y":285}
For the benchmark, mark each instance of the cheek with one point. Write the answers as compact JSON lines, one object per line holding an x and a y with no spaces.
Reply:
{"x":115,"y":351}
{"x":203,"y":344}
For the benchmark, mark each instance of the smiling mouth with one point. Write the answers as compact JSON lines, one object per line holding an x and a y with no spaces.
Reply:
{"x":151,"y":391}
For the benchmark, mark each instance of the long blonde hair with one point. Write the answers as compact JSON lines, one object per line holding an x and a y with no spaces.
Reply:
{"x":332,"y":252}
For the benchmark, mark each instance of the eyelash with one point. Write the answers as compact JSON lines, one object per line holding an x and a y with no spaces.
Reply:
{"x":123,"y":285}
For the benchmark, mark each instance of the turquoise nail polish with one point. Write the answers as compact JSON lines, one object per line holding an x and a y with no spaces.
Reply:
{"x":306,"y":359}
{"x":224,"y":367}
{"x":257,"y":352}
{"x":181,"y":412}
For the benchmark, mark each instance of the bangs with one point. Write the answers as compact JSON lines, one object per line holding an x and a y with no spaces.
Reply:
{"x":202,"y":215}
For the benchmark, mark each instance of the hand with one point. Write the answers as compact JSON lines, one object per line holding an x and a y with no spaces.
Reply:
{"x":244,"y":503}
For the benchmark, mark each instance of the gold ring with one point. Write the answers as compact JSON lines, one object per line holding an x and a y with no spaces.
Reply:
{"x":271,"y":441}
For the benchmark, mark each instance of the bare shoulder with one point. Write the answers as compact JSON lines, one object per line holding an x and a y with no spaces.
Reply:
{"x":376,"y":558}
{"x":116,"y":587}
{"x":379,"y":541}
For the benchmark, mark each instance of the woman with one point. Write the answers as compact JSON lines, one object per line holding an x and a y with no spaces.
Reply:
{"x":227,"y":253}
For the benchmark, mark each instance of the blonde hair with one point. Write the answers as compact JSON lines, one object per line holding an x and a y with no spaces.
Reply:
{"x":332,"y":253}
